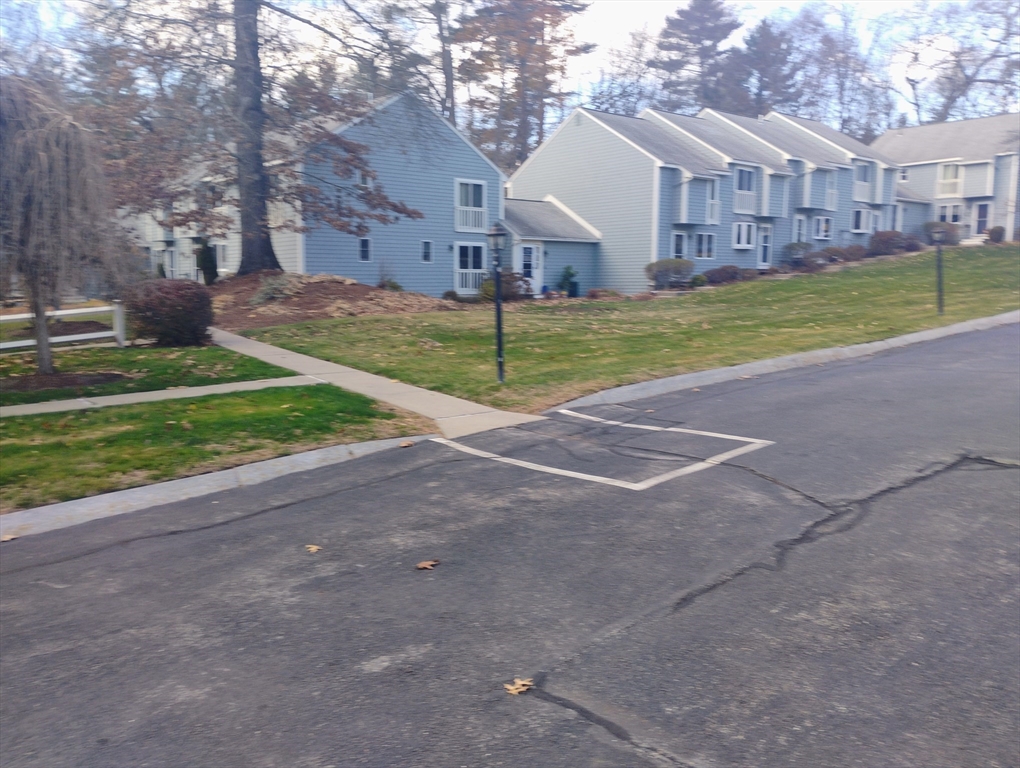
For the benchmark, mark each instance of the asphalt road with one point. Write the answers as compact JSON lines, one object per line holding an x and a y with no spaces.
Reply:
{"x":848,"y":595}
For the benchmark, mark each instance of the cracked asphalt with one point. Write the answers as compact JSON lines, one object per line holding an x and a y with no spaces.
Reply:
{"x":848,"y":596}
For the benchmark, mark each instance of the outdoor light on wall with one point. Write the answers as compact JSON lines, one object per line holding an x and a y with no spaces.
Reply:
{"x":938,"y":235}
{"x":497,"y":242}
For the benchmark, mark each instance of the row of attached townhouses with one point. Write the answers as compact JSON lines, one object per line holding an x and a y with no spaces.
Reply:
{"x":606,"y":194}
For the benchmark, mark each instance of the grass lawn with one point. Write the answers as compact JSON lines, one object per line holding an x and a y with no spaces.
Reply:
{"x":557,"y":352}
{"x":145,"y":369}
{"x":67,"y":456}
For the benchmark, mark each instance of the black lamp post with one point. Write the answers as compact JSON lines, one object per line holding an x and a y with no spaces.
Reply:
{"x":938,"y":235}
{"x":497,"y":243}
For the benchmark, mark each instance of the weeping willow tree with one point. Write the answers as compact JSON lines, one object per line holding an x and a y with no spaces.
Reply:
{"x":54,"y":217}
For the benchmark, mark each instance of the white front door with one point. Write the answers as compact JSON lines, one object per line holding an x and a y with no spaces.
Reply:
{"x":528,"y":262}
{"x":764,"y":246}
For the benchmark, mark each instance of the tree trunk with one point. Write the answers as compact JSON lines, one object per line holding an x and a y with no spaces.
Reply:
{"x":43,"y":355}
{"x":252,"y":181}
{"x":440,"y":11}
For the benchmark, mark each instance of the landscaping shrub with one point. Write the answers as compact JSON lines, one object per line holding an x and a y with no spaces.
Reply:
{"x":815,"y":262}
{"x":389,"y":284}
{"x":603,"y":293}
{"x":566,"y":278}
{"x":749,"y":274}
{"x":832,"y":254}
{"x":854,"y":253}
{"x":792,"y":253}
{"x":450,"y":295}
{"x":176,"y":313}
{"x":996,"y":234}
{"x":697,"y":281}
{"x":912,"y":243}
{"x":272,"y":286}
{"x":952,"y":232}
{"x":885,"y":243}
{"x":725,"y":274}
{"x":515,"y":287}
{"x":669,"y":273}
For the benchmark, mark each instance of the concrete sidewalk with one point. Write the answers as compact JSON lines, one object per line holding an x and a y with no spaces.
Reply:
{"x":454,"y":417}
{"x":133,"y":398}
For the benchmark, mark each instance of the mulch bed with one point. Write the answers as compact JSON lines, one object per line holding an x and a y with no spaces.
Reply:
{"x":39,"y":381}
{"x":300,"y":298}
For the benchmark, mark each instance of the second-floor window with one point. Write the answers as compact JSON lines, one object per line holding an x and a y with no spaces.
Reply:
{"x":823,"y":227}
{"x":426,"y":251}
{"x":743,"y":235}
{"x":862,"y":173}
{"x":949,"y":180}
{"x":471,"y":215}
{"x":743,"y":193}
{"x":745,"y":180}
{"x":712,"y":212}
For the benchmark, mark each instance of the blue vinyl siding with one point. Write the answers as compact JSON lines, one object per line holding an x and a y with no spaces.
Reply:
{"x":777,"y":194}
{"x":914,"y":217}
{"x":975,"y":179}
{"x":697,"y":201}
{"x":669,"y":204}
{"x":583,"y":257}
{"x":416,"y":158}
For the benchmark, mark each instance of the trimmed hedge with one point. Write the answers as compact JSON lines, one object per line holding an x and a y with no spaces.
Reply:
{"x":669,"y":273}
{"x":725,"y":274}
{"x":176,"y":313}
{"x":885,"y":243}
{"x":996,"y":234}
{"x":952,"y":232}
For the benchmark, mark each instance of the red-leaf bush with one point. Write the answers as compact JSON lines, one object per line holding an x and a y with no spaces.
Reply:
{"x":885,"y":243}
{"x":176,"y":313}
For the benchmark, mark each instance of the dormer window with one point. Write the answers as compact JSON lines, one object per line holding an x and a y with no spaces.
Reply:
{"x":744,"y":198}
{"x":470,"y":212}
{"x":949,"y":180}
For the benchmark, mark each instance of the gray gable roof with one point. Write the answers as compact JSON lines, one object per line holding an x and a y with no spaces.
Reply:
{"x":858,"y":148}
{"x":979,"y":139}
{"x":541,"y":220}
{"x":789,"y":139}
{"x":905,"y":193}
{"x":727,"y":140}
{"x":666,"y":145}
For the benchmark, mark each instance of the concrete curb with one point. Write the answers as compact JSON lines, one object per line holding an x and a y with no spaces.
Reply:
{"x":68,"y":513}
{"x":717,"y":375}
{"x":154,"y":396}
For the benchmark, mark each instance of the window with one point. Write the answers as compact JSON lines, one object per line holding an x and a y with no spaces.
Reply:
{"x":426,"y":251}
{"x":469,"y":202}
{"x":363,"y":179}
{"x":904,"y":174}
{"x":799,"y":229}
{"x":469,"y":257}
{"x":706,"y":246}
{"x":949,"y":180}
{"x":679,"y":245}
{"x":712,"y":212}
{"x":745,"y":180}
{"x":861,"y":221}
{"x":744,"y":197}
{"x":823,"y":228}
{"x":365,"y":249}
{"x":831,"y":195}
{"x":472,"y":195}
{"x":863,"y":173}
{"x":943,"y":213}
{"x":743,"y":235}
{"x":955,"y":214}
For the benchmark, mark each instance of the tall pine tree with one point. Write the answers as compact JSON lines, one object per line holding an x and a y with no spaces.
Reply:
{"x":770,"y":70}
{"x":690,"y":57}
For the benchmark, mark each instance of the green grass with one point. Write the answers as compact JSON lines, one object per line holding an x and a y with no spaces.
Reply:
{"x":147,"y":369}
{"x":558,"y":352}
{"x":70,"y":455}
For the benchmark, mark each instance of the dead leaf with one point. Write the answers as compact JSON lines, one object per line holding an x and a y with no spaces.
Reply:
{"x":8,"y":537}
{"x":427,"y":565}
{"x":407,"y":444}
{"x":187,"y":425}
{"x":705,"y":326}
{"x":519,"y":686}
{"x":649,"y":410}
{"x":695,"y":390}
{"x":313,"y":548}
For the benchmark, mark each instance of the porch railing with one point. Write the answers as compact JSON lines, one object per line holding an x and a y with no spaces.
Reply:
{"x":471,"y":219}
{"x":470,"y":280}
{"x":744,"y":202}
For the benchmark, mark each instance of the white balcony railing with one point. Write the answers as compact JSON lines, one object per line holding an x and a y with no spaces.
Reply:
{"x":862,"y":191}
{"x":831,"y":199}
{"x":712,"y":214}
{"x":744,"y":202}
{"x":470,"y":280}
{"x":471,"y":219}
{"x":949,"y":188}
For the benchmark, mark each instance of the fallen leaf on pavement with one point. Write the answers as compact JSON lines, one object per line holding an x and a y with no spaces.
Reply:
{"x":649,"y":410}
{"x":407,"y":444}
{"x":519,"y":686}
{"x":313,"y":548}
{"x":427,"y":565}
{"x":8,"y":537}
{"x":695,"y":390}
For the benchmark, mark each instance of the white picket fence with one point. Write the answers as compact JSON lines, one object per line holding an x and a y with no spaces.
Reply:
{"x":118,"y":333}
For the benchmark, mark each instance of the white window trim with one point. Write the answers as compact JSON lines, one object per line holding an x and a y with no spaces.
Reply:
{"x":866,"y":166}
{"x":456,"y":255}
{"x":456,"y":203}
{"x":904,"y":174}
{"x":866,"y":220}
{"x":365,"y":240}
{"x":817,"y":230}
{"x":959,"y":180}
{"x":712,"y":196}
{"x":740,"y":244}
{"x":432,"y":252}
{"x":712,"y":241}
{"x":804,"y":230}
{"x":684,"y":254}
{"x":736,"y":179}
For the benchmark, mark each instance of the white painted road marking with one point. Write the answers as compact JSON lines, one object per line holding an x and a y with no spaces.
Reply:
{"x":752,"y":444}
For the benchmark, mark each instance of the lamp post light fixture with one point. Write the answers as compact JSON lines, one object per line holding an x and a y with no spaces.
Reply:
{"x":497,"y":243}
{"x":938,"y":236}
